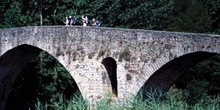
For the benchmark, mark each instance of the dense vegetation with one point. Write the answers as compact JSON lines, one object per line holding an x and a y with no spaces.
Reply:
{"x":174,"y":15}
{"x":44,"y":80}
{"x":202,"y":82}
{"x":171,"y":103}
{"x":45,"y":84}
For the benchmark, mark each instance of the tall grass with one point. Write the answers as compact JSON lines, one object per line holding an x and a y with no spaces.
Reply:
{"x":171,"y":103}
{"x":75,"y":103}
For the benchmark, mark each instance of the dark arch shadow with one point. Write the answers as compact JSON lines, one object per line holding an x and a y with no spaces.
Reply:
{"x":12,"y":63}
{"x":168,"y":74}
{"x":111,"y":67}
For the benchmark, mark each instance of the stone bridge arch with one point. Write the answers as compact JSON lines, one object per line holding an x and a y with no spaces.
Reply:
{"x":168,"y":74}
{"x":12,"y":63}
{"x":138,"y":53}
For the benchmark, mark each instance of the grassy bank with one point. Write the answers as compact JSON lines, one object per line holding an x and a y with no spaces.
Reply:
{"x":171,"y":103}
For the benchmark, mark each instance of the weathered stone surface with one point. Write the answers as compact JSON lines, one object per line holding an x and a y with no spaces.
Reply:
{"x":139,"y":53}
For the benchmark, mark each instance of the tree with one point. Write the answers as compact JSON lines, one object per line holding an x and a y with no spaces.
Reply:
{"x":13,"y":15}
{"x":191,"y":17}
{"x":213,"y":9}
{"x":19,"y":13}
{"x":174,"y":15}
{"x":31,"y":12}
{"x":3,"y":5}
{"x":132,"y":13}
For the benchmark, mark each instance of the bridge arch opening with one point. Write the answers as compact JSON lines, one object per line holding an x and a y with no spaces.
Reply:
{"x":21,"y":82}
{"x":111,"y":67}
{"x":170,"y":74}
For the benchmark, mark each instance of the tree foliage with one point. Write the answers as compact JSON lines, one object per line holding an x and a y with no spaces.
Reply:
{"x":175,"y":15}
{"x":192,"y":17}
{"x":44,"y":80}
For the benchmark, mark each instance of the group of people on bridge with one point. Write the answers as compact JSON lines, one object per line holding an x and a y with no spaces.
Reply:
{"x":71,"y":20}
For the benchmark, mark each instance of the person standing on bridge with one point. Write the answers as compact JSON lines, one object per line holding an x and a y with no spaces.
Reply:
{"x":72,"y":20}
{"x":67,"y":21}
{"x":87,"y":20}
{"x":95,"y":22}
{"x":84,"y":20}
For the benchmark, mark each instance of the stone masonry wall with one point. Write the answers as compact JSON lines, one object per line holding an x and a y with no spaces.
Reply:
{"x":139,"y":53}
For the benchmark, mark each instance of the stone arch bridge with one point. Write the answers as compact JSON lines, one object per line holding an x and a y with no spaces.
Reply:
{"x":139,"y":56}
